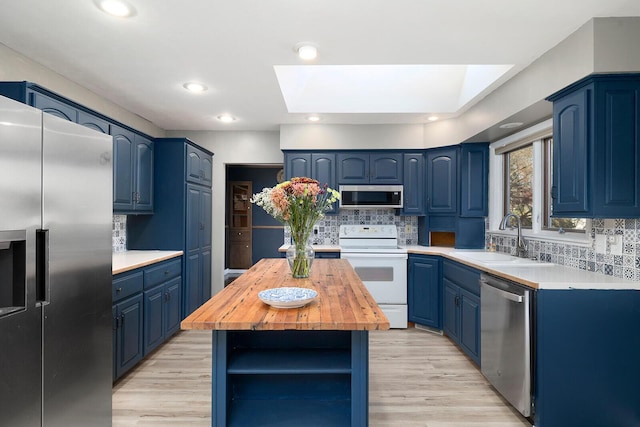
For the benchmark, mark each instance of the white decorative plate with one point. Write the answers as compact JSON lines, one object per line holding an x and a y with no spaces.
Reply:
{"x":287,"y":297}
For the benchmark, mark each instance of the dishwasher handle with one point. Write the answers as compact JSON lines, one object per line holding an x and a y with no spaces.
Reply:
{"x":506,"y":295}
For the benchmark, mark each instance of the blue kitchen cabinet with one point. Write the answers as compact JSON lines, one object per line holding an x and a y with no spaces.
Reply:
{"x":425,"y":290}
{"x":297,"y":164}
{"x":94,"y":122}
{"x":133,"y":172}
{"x":413,"y":181}
{"x":199,"y":166}
{"x":182,"y":215}
{"x":474,"y":180}
{"x":52,"y":106}
{"x":162,"y":302}
{"x":382,"y":167}
{"x":442,"y":181}
{"x":596,"y":148}
{"x":330,"y":255}
{"x":128,"y":334}
{"x":461,"y":307}
{"x":132,"y":151}
{"x":320,"y":166}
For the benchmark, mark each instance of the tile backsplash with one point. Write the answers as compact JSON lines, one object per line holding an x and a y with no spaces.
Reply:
{"x":119,"y":233}
{"x":626,"y":265}
{"x":329,"y":226}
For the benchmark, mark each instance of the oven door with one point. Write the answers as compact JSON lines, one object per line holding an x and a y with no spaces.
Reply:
{"x":384,"y":275}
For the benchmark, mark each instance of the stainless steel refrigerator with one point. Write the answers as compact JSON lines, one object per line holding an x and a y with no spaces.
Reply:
{"x":55,"y":271}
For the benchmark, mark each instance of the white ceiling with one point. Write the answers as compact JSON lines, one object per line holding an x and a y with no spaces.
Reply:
{"x":141,"y":63}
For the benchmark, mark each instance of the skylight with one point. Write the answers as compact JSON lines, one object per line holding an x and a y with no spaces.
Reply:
{"x":384,"y":88}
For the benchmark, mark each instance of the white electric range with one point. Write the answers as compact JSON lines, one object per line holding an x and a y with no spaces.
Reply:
{"x":381,"y":264}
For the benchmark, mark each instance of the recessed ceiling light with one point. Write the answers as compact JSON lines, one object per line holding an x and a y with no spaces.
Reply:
{"x":432,"y":118}
{"x":307,"y":51}
{"x":118,"y":8}
{"x":511,"y":125}
{"x":226,"y":118}
{"x":313,"y":118}
{"x":195,"y":87}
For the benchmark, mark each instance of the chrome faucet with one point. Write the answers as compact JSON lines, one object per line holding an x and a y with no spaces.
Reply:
{"x":521,"y":249}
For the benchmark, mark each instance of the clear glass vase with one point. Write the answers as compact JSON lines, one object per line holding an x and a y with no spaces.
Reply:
{"x":300,"y":256}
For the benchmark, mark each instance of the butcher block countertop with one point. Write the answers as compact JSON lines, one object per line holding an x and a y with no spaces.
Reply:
{"x":130,"y":260}
{"x":343,"y":302}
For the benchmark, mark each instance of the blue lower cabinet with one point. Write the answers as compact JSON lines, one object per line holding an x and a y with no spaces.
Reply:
{"x":461,"y":307}
{"x":425,"y":290}
{"x":147,"y":304}
{"x":290,"y":378}
{"x":128,"y":334}
{"x":161,"y":313}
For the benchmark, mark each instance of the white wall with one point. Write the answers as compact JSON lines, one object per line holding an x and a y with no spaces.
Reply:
{"x":616,"y":44}
{"x":230,"y":148}
{"x":340,"y":137}
{"x":16,"y":67}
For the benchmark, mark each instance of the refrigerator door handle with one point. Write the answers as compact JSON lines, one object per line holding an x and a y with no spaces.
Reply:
{"x":42,"y":267}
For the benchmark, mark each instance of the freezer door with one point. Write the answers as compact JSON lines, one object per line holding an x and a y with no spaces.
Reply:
{"x":20,"y":321}
{"x":77,"y":213}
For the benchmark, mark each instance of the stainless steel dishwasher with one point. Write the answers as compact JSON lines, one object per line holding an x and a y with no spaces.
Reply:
{"x":506,"y":339}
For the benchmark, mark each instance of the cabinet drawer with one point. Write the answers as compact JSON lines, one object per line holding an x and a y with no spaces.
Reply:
{"x":463,"y":276}
{"x":239,"y":236}
{"x":161,"y":273}
{"x":126,"y":285}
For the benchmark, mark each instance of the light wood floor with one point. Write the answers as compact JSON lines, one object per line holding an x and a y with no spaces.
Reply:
{"x":416,"y":379}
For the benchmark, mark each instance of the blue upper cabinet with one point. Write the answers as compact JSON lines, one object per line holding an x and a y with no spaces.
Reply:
{"x":596,"y":148}
{"x":369,"y":168}
{"x":474,"y":179}
{"x":413,"y":167}
{"x":132,"y":151}
{"x":320,"y":166}
{"x":297,"y":164}
{"x":442,"y":181}
{"x":199,"y":166}
{"x":133,"y":172}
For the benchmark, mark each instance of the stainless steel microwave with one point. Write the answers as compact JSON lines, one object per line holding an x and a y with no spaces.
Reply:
{"x":370,"y":196}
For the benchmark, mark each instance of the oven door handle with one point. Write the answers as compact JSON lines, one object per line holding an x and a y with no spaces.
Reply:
{"x":372,"y":255}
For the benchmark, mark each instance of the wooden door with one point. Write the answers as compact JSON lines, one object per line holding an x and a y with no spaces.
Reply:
{"x":239,"y":206}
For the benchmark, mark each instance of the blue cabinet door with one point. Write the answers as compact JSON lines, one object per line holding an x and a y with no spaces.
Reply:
{"x":93,"y":122}
{"x":52,"y":106}
{"x":143,"y":170}
{"x":297,"y":164}
{"x":442,"y":181}
{"x":474,"y":180}
{"x":154,"y":301}
{"x":617,"y":150}
{"x":450,"y":321}
{"x":323,"y":169}
{"x":123,"y":152}
{"x":425,"y":295}
{"x":469,"y":306}
{"x":353,"y":168}
{"x":198,"y":166}
{"x":569,"y":190}
{"x":172,"y":306}
{"x":129,"y":334}
{"x":385,"y":168}
{"x":413,"y":171}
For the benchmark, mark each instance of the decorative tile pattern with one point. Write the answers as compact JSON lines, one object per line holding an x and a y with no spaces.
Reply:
{"x":119,"y":233}
{"x":625,"y":266}
{"x":329,"y":226}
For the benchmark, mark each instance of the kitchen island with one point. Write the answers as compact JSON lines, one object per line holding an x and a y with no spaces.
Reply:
{"x":291,"y":367}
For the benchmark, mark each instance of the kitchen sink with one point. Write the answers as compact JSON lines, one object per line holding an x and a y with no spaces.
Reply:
{"x":497,"y":259}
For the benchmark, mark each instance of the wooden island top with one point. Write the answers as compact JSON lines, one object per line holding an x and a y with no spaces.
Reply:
{"x":343,"y":302}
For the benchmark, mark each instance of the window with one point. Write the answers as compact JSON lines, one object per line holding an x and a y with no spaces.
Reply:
{"x":519,"y":184}
{"x":521,"y":179}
